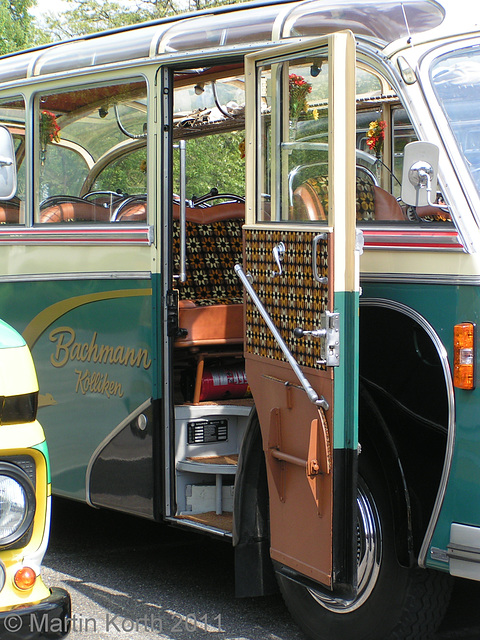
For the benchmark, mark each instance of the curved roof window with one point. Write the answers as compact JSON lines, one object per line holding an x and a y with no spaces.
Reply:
{"x":385,"y":21}
{"x":216,"y":30}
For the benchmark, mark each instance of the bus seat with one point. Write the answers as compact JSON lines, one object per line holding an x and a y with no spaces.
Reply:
{"x":307,"y":204}
{"x":137,"y":212}
{"x":9,"y":213}
{"x":386,"y":206}
{"x":208,"y":215}
{"x":78,"y":211}
{"x":429,"y":213}
{"x":211,"y":299}
{"x":310,"y":201}
{"x":212,"y":325}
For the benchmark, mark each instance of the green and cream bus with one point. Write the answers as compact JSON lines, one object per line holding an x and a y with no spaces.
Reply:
{"x":242,"y":246}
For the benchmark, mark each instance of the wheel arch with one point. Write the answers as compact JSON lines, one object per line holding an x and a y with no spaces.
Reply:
{"x":416,"y":509}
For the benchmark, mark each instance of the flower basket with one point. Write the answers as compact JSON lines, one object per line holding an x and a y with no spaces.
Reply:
{"x":49,"y":132}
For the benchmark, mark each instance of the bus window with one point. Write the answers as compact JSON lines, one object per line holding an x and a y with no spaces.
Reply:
{"x":455,"y":81}
{"x":128,"y":174}
{"x":302,"y":142}
{"x":12,"y":115}
{"x":214,"y":162}
{"x":91,"y":158}
{"x":210,"y":117}
{"x":403,"y":133}
{"x":383,"y":130}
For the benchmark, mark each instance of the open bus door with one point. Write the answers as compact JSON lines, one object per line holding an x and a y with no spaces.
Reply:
{"x":301,"y":277}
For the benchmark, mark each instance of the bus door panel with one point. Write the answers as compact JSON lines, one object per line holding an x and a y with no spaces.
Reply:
{"x":300,"y":274}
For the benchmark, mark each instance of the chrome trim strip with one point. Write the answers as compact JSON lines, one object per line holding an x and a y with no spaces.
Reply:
{"x":463,"y":552}
{"x":50,"y":277}
{"x":411,"y":239}
{"x":108,"y":439}
{"x":421,"y":278}
{"x":60,"y":235}
{"x":414,"y":315}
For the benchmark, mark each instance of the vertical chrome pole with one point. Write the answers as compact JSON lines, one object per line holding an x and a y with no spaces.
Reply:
{"x":182,"y":276}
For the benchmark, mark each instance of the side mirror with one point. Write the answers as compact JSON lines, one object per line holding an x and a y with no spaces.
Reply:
{"x":420,"y":168}
{"x":8,"y":165}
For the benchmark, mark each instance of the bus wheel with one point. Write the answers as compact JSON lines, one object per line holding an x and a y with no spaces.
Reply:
{"x":392,"y":601}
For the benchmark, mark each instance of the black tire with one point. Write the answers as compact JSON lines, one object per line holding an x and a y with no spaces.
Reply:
{"x":394,"y":602}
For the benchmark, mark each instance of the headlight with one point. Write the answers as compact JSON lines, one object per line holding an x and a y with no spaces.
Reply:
{"x":17,"y":503}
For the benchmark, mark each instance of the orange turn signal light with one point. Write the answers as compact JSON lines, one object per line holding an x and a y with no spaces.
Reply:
{"x":25,"y":578}
{"x":464,"y":355}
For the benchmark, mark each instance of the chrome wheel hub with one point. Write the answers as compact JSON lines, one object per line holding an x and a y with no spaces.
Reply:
{"x":369,"y":553}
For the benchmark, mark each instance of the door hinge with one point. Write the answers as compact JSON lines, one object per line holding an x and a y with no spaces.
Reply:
{"x":171,"y":302}
{"x":329,"y":333}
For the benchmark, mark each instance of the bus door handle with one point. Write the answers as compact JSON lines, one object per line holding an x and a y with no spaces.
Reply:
{"x":319,"y":278}
{"x":182,"y":275}
{"x":278,"y":255}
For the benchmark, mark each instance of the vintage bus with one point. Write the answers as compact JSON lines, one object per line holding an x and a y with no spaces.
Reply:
{"x":29,"y":610}
{"x":242,"y":246}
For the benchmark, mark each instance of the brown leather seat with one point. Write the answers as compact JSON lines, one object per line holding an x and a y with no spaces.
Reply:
{"x":386,"y":206}
{"x":215,"y":324}
{"x":75,"y":212}
{"x":310,"y":202}
{"x":136,"y":212}
{"x":306,"y":204}
{"x":9,"y":213}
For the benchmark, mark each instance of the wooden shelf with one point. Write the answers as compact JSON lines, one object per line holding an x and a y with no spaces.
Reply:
{"x":223,"y":521}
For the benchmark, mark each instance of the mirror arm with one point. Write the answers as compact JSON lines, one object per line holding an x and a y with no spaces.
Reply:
{"x":425,"y":182}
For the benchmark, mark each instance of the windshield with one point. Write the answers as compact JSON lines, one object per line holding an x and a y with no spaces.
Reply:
{"x":456,"y":81}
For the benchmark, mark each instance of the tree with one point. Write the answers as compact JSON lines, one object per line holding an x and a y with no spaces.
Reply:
{"x":16,"y":25}
{"x":91,"y":16}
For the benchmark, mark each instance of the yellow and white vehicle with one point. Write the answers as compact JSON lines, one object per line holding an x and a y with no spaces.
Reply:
{"x":28,"y":609}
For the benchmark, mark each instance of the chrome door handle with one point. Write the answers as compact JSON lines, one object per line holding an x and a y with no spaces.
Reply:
{"x":278,"y":254}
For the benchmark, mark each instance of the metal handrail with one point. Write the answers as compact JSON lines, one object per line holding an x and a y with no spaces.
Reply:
{"x":307,"y":387}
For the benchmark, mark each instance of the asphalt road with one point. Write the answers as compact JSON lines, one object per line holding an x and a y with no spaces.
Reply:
{"x":136,"y":580}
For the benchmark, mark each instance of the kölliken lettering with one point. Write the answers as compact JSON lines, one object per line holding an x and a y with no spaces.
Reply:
{"x":97,"y":383}
{"x":67,"y":349}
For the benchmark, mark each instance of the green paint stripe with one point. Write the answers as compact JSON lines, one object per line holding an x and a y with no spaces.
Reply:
{"x":43,"y":448}
{"x":345,"y":418}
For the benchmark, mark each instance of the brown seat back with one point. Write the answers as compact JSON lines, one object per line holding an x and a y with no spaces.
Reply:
{"x":75,"y":212}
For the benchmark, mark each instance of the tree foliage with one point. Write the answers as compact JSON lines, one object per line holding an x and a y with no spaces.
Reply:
{"x":16,"y":25}
{"x":91,"y":16}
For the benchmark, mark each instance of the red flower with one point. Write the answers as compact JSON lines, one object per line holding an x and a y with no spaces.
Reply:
{"x":49,"y":129}
{"x":298,"y":89}
{"x":376,"y":136}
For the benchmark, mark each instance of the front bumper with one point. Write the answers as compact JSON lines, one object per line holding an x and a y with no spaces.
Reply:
{"x":45,"y":620}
